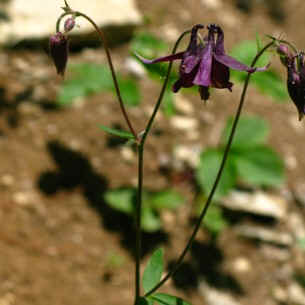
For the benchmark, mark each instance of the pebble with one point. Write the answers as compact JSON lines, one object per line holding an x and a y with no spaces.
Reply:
{"x":188,"y":153}
{"x":183,"y":105}
{"x":8,"y":299}
{"x":264,"y":234}
{"x":258,"y":202}
{"x":213,"y":296}
{"x":296,"y":294}
{"x":134,"y":67}
{"x":241,"y":265}
{"x":7,"y":180}
{"x":212,"y":4}
{"x":183,"y":123}
{"x":275,"y":253}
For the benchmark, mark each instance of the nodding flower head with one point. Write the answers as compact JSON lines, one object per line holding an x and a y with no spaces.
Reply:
{"x":204,"y":64}
{"x":296,"y":82}
{"x":69,"y":24}
{"x":59,"y":49}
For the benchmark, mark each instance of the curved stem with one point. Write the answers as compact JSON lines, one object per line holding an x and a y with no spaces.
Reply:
{"x":105,"y":44}
{"x":140,"y":174}
{"x":158,"y":103}
{"x":219,"y":174}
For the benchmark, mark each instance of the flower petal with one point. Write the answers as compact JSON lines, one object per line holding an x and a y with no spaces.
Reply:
{"x":220,"y":76}
{"x":160,"y":59}
{"x":203,"y":76}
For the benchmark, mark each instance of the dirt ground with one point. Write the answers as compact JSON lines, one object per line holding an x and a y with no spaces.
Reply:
{"x":60,"y":243}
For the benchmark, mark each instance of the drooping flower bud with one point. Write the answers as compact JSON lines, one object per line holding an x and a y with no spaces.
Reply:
{"x":69,"y":24}
{"x":59,"y":50}
{"x":285,"y":54}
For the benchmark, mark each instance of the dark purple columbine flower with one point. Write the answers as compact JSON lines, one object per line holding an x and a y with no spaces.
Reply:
{"x":205,"y":65}
{"x":59,"y":49}
{"x":296,"y":82}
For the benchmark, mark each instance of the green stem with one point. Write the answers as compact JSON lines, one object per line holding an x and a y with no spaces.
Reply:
{"x":105,"y":44}
{"x":140,"y":174}
{"x":219,"y":174}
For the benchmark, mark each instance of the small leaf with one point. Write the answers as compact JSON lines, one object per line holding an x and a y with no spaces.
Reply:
{"x":269,"y":82}
{"x":147,"y":45}
{"x":214,"y":220}
{"x":207,"y":170}
{"x":150,"y":219}
{"x":153,"y":271}
{"x":117,"y":132}
{"x":250,"y":131}
{"x":168,"y":105}
{"x":260,"y":166}
{"x":166,"y":299}
{"x":167,"y":199}
{"x":130,"y":91}
{"x":121,"y":199}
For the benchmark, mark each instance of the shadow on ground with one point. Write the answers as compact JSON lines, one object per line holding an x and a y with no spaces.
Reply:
{"x":73,"y":170}
{"x":205,"y":264}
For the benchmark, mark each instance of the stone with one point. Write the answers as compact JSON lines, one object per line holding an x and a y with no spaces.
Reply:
{"x":213,"y":296}
{"x":134,"y":67}
{"x":241,"y":265}
{"x":188,"y":154}
{"x":36,"y":20}
{"x":183,"y":105}
{"x":258,"y":203}
{"x":265,"y":234}
{"x":296,"y":294}
{"x":183,"y":123}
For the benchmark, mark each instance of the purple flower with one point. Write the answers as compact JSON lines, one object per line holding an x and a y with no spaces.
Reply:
{"x":296,"y":82}
{"x":205,"y":65}
{"x":59,"y":50}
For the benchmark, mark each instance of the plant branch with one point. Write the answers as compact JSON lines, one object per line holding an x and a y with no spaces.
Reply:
{"x":217,"y":179}
{"x":105,"y":44}
{"x":140,"y":173}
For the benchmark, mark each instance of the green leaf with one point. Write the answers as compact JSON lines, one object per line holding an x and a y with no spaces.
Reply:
{"x":153,"y":271}
{"x":150,"y":219}
{"x":267,"y":82}
{"x":167,"y":199}
{"x":168,"y":105}
{"x":166,"y":299}
{"x":121,"y":199}
{"x":260,"y":166}
{"x":208,"y":167}
{"x":90,"y":78}
{"x":246,"y":51}
{"x":130,"y":91}
{"x":214,"y":220}
{"x":117,"y":132}
{"x":147,"y":45}
{"x":250,"y":131}
{"x":270,"y":83}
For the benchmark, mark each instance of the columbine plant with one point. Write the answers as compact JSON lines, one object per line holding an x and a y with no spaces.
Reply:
{"x":204,"y":64}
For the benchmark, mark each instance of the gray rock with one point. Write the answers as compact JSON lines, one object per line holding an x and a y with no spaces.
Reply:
{"x":213,"y":296}
{"x":264,"y":234}
{"x":35,"y":19}
{"x":258,"y":203}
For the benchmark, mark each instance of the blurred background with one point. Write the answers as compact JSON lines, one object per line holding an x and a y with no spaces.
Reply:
{"x":67,"y":188}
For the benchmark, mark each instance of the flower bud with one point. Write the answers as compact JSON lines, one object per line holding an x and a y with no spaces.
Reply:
{"x":69,"y":24}
{"x":285,"y":54}
{"x":282,"y":49}
{"x":59,"y":51}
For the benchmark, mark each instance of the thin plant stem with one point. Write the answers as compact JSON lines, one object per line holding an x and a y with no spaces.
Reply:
{"x":217,"y":179}
{"x":105,"y":44}
{"x":140,"y":173}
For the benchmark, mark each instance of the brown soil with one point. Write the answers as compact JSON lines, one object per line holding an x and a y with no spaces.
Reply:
{"x":59,"y":242}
